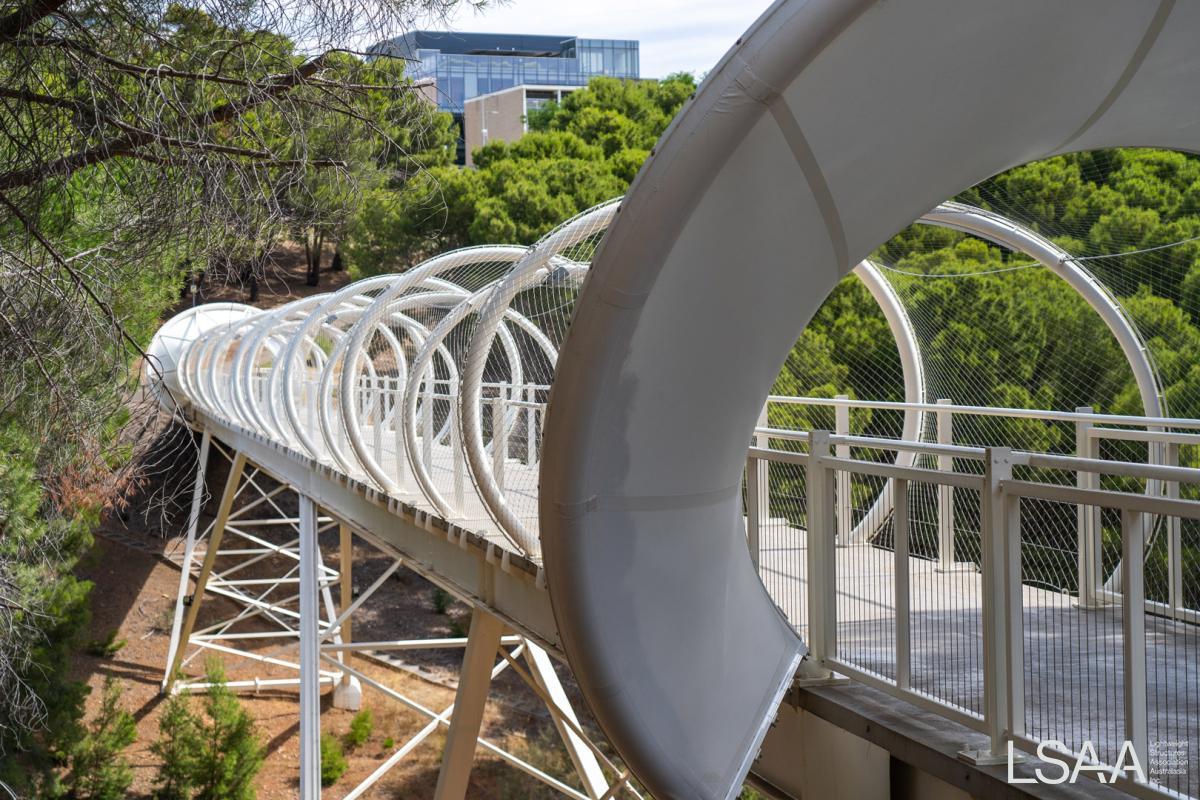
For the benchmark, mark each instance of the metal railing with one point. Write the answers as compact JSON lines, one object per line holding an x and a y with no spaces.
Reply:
{"x":993,"y":635}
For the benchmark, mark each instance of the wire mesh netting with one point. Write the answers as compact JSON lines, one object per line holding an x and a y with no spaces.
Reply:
{"x":1087,"y":299}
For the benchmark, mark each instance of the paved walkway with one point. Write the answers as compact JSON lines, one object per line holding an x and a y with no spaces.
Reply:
{"x":1074,"y":667}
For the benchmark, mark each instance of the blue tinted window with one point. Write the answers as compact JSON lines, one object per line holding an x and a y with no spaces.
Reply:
{"x":462,"y":76}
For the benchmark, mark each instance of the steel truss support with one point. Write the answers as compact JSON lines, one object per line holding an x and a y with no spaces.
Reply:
{"x":541,"y":668}
{"x":483,"y":640}
{"x":348,"y":694}
{"x":268,"y":562}
{"x":189,"y":551}
{"x":310,"y":677}
{"x":175,"y":660}
{"x":246,"y":576}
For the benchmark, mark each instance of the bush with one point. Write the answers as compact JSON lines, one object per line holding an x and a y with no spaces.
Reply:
{"x":441,"y":600}
{"x":178,"y":746}
{"x":360,"y":729}
{"x":210,"y":756}
{"x":107,"y":647}
{"x":333,"y":760}
{"x":97,"y":768}
{"x":389,"y":743}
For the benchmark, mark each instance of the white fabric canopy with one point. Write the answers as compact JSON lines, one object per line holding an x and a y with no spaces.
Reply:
{"x":828,"y":128}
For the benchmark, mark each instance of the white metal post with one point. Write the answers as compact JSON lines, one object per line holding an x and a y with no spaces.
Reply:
{"x":380,"y":410}
{"x":1014,"y":615}
{"x":460,"y":467}
{"x":1087,"y":520}
{"x":945,"y":435}
{"x":310,"y":677}
{"x":499,"y":438}
{"x":189,"y":550}
{"x":994,"y":530}
{"x":822,"y":557}
{"x":763,"y":478}
{"x":398,"y":435}
{"x":1133,"y":623}
{"x":1174,"y":540}
{"x":900,"y":577}
{"x":845,"y":508}
{"x":483,"y":639}
{"x":427,"y":430}
{"x":530,"y":427}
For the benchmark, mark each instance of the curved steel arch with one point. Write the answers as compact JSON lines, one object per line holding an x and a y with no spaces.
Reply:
{"x":527,"y":271}
{"x":485,"y":254}
{"x":913,"y":374}
{"x":999,"y":230}
{"x":427,"y":485}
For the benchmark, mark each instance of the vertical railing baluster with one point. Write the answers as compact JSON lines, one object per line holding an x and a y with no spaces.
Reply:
{"x":377,"y":416}
{"x":900,"y":535}
{"x":427,"y":431}
{"x":530,"y":427}
{"x":945,"y":515}
{"x":822,"y":557}
{"x":1174,"y":541}
{"x":499,"y":438}
{"x":398,"y":424}
{"x":1087,"y":518}
{"x":456,"y":446}
{"x":1133,"y":624}
{"x":993,"y":535}
{"x":845,"y":508}
{"x":1014,"y":615}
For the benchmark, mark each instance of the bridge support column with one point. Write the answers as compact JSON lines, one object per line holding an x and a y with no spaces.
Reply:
{"x":348,"y":693}
{"x":175,"y":659}
{"x":541,"y":668}
{"x":189,"y":551}
{"x":310,"y":676}
{"x":483,"y":640}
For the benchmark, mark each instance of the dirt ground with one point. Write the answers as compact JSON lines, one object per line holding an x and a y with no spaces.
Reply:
{"x":134,"y":596}
{"x":282,"y":280}
{"x":133,"y":599}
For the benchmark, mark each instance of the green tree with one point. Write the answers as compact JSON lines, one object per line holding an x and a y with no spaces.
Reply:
{"x":43,"y":612}
{"x":177,"y":747}
{"x":333,"y":759}
{"x":213,"y":754}
{"x":97,"y":766}
{"x":577,"y":154}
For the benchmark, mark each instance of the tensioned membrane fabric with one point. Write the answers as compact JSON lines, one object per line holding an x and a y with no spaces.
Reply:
{"x":830,"y":126}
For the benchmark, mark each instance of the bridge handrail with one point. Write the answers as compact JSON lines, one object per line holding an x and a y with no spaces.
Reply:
{"x":1003,"y":593}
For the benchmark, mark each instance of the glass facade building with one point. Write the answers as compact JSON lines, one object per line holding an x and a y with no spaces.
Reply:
{"x":466,"y":65}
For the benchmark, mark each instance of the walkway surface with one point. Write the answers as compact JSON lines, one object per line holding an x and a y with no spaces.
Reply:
{"x":1074,"y":669}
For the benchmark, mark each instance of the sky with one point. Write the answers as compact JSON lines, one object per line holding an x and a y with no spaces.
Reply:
{"x":675,"y":35}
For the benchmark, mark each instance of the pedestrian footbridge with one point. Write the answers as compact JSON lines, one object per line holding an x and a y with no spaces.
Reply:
{"x":578,"y":437}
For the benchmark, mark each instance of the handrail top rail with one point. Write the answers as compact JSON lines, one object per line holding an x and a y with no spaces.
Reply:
{"x":992,"y":411}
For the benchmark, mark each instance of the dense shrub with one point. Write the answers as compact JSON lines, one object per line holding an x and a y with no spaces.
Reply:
{"x":360,"y":729}
{"x":212,"y":754}
{"x":97,"y":766}
{"x":333,"y":760}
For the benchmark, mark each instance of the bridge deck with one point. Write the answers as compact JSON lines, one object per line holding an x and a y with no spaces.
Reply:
{"x":520,"y":482}
{"x":1073,"y":660}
